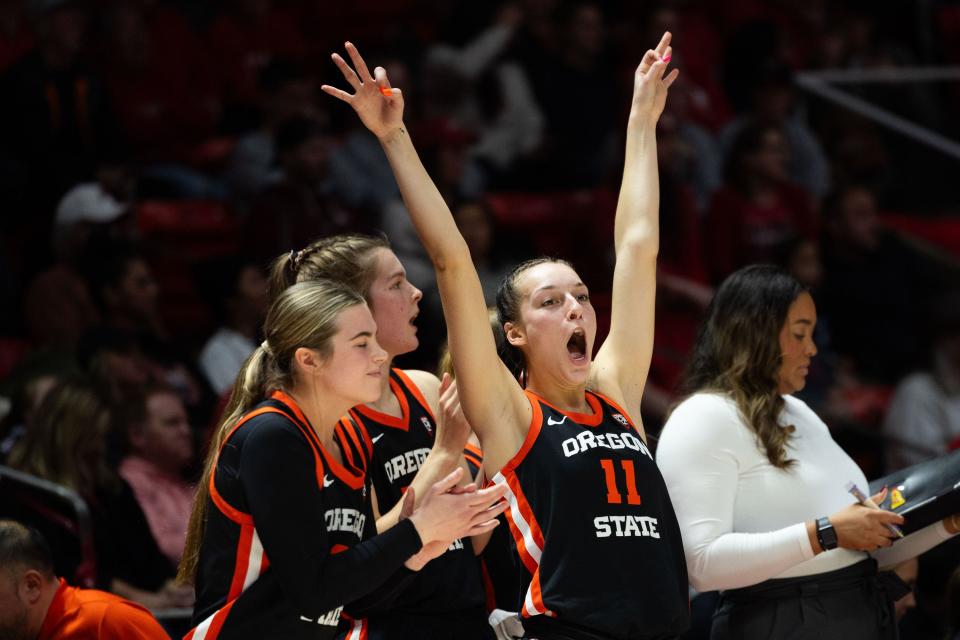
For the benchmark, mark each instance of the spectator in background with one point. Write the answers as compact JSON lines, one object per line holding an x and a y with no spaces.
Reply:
{"x":774,"y":101}
{"x":55,"y":118}
{"x":238,"y":290}
{"x":494,"y":100}
{"x":876,"y":281}
{"x":66,"y":445}
{"x":160,"y":443}
{"x":244,"y":38}
{"x":16,"y":423}
{"x":358,"y":166}
{"x":303,"y":204}
{"x":691,"y":156}
{"x":59,"y":306}
{"x":284,"y":92}
{"x":114,"y":359}
{"x":37,"y":605}
{"x":923,"y":420}
{"x":476,"y":226}
{"x":160,"y":83}
{"x":123,"y":284}
{"x":580,"y":139}
{"x":758,"y":208}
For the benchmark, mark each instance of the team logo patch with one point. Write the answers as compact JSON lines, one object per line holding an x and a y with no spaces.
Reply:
{"x":621,"y":419}
{"x":896,"y":497}
{"x":426,"y":424}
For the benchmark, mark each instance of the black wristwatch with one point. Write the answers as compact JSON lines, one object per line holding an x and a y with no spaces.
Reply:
{"x":826,"y":535}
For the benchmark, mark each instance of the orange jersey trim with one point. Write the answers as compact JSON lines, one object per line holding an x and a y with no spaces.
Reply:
{"x":533,"y":432}
{"x":403,"y":422}
{"x":583,"y":419}
{"x":415,"y":390}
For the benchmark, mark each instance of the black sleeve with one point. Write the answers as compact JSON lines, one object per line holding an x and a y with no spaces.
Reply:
{"x":380,"y":599}
{"x":280,"y":486}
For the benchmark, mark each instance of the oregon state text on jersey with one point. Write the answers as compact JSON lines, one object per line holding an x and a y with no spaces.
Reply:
{"x":239,"y":593}
{"x":593,"y":524}
{"x":451,"y":582}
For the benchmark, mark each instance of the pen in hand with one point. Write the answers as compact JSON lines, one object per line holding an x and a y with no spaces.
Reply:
{"x":867,"y":502}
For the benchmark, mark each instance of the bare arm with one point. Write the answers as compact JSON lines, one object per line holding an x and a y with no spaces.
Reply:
{"x":493,"y":402}
{"x":445,"y":455}
{"x":621,"y":366}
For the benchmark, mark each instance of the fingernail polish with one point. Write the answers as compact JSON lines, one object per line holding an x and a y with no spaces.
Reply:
{"x":667,"y":58}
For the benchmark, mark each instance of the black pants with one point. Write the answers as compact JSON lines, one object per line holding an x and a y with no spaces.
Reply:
{"x":547,"y":628}
{"x":852,"y":603}
{"x":464,"y":625}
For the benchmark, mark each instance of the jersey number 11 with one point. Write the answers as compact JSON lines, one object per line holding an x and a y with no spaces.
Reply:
{"x":610,"y":475}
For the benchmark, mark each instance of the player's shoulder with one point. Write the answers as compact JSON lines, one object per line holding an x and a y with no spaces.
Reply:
{"x":426,"y":383}
{"x":424,"y":380}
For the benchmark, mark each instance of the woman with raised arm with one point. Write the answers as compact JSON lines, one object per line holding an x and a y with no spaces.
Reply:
{"x":410,"y":448}
{"x":282,"y":534}
{"x":589,"y":511}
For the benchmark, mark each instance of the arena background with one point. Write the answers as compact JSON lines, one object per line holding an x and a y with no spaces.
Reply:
{"x":155,"y":155}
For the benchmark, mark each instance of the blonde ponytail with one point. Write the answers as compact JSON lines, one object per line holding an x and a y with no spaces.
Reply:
{"x":303,"y":315}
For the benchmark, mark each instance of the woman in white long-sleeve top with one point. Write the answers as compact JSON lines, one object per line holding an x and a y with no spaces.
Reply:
{"x":760,"y":487}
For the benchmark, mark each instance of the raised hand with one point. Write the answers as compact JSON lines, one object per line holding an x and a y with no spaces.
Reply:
{"x":453,"y":430}
{"x":379,"y":106}
{"x":649,"y":84}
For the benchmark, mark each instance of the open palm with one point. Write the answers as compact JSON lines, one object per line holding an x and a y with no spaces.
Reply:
{"x":379,"y":106}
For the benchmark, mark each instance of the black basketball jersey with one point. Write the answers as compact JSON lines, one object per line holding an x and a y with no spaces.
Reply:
{"x":238,"y":593}
{"x":451,"y":582}
{"x":499,"y":564}
{"x":593,"y":525}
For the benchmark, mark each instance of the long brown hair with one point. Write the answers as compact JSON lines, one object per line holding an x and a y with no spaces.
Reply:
{"x":66,"y":438}
{"x":349,"y":259}
{"x":737,"y":352}
{"x":303,"y":315}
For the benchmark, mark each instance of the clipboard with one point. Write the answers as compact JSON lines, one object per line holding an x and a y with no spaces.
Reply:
{"x":924,"y":493}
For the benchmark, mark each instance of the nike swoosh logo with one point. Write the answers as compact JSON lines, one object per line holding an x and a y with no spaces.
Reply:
{"x":374,"y":440}
{"x":551,"y":421}
{"x":327,"y":480}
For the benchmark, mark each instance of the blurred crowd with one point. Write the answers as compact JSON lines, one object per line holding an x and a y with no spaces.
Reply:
{"x":156,"y":155}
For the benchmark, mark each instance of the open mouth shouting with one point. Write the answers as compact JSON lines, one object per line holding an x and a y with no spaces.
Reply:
{"x":577,"y":346}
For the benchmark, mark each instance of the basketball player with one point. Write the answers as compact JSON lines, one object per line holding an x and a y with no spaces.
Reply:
{"x":282,"y":534}
{"x":589,"y":511}
{"x":446,"y":599}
